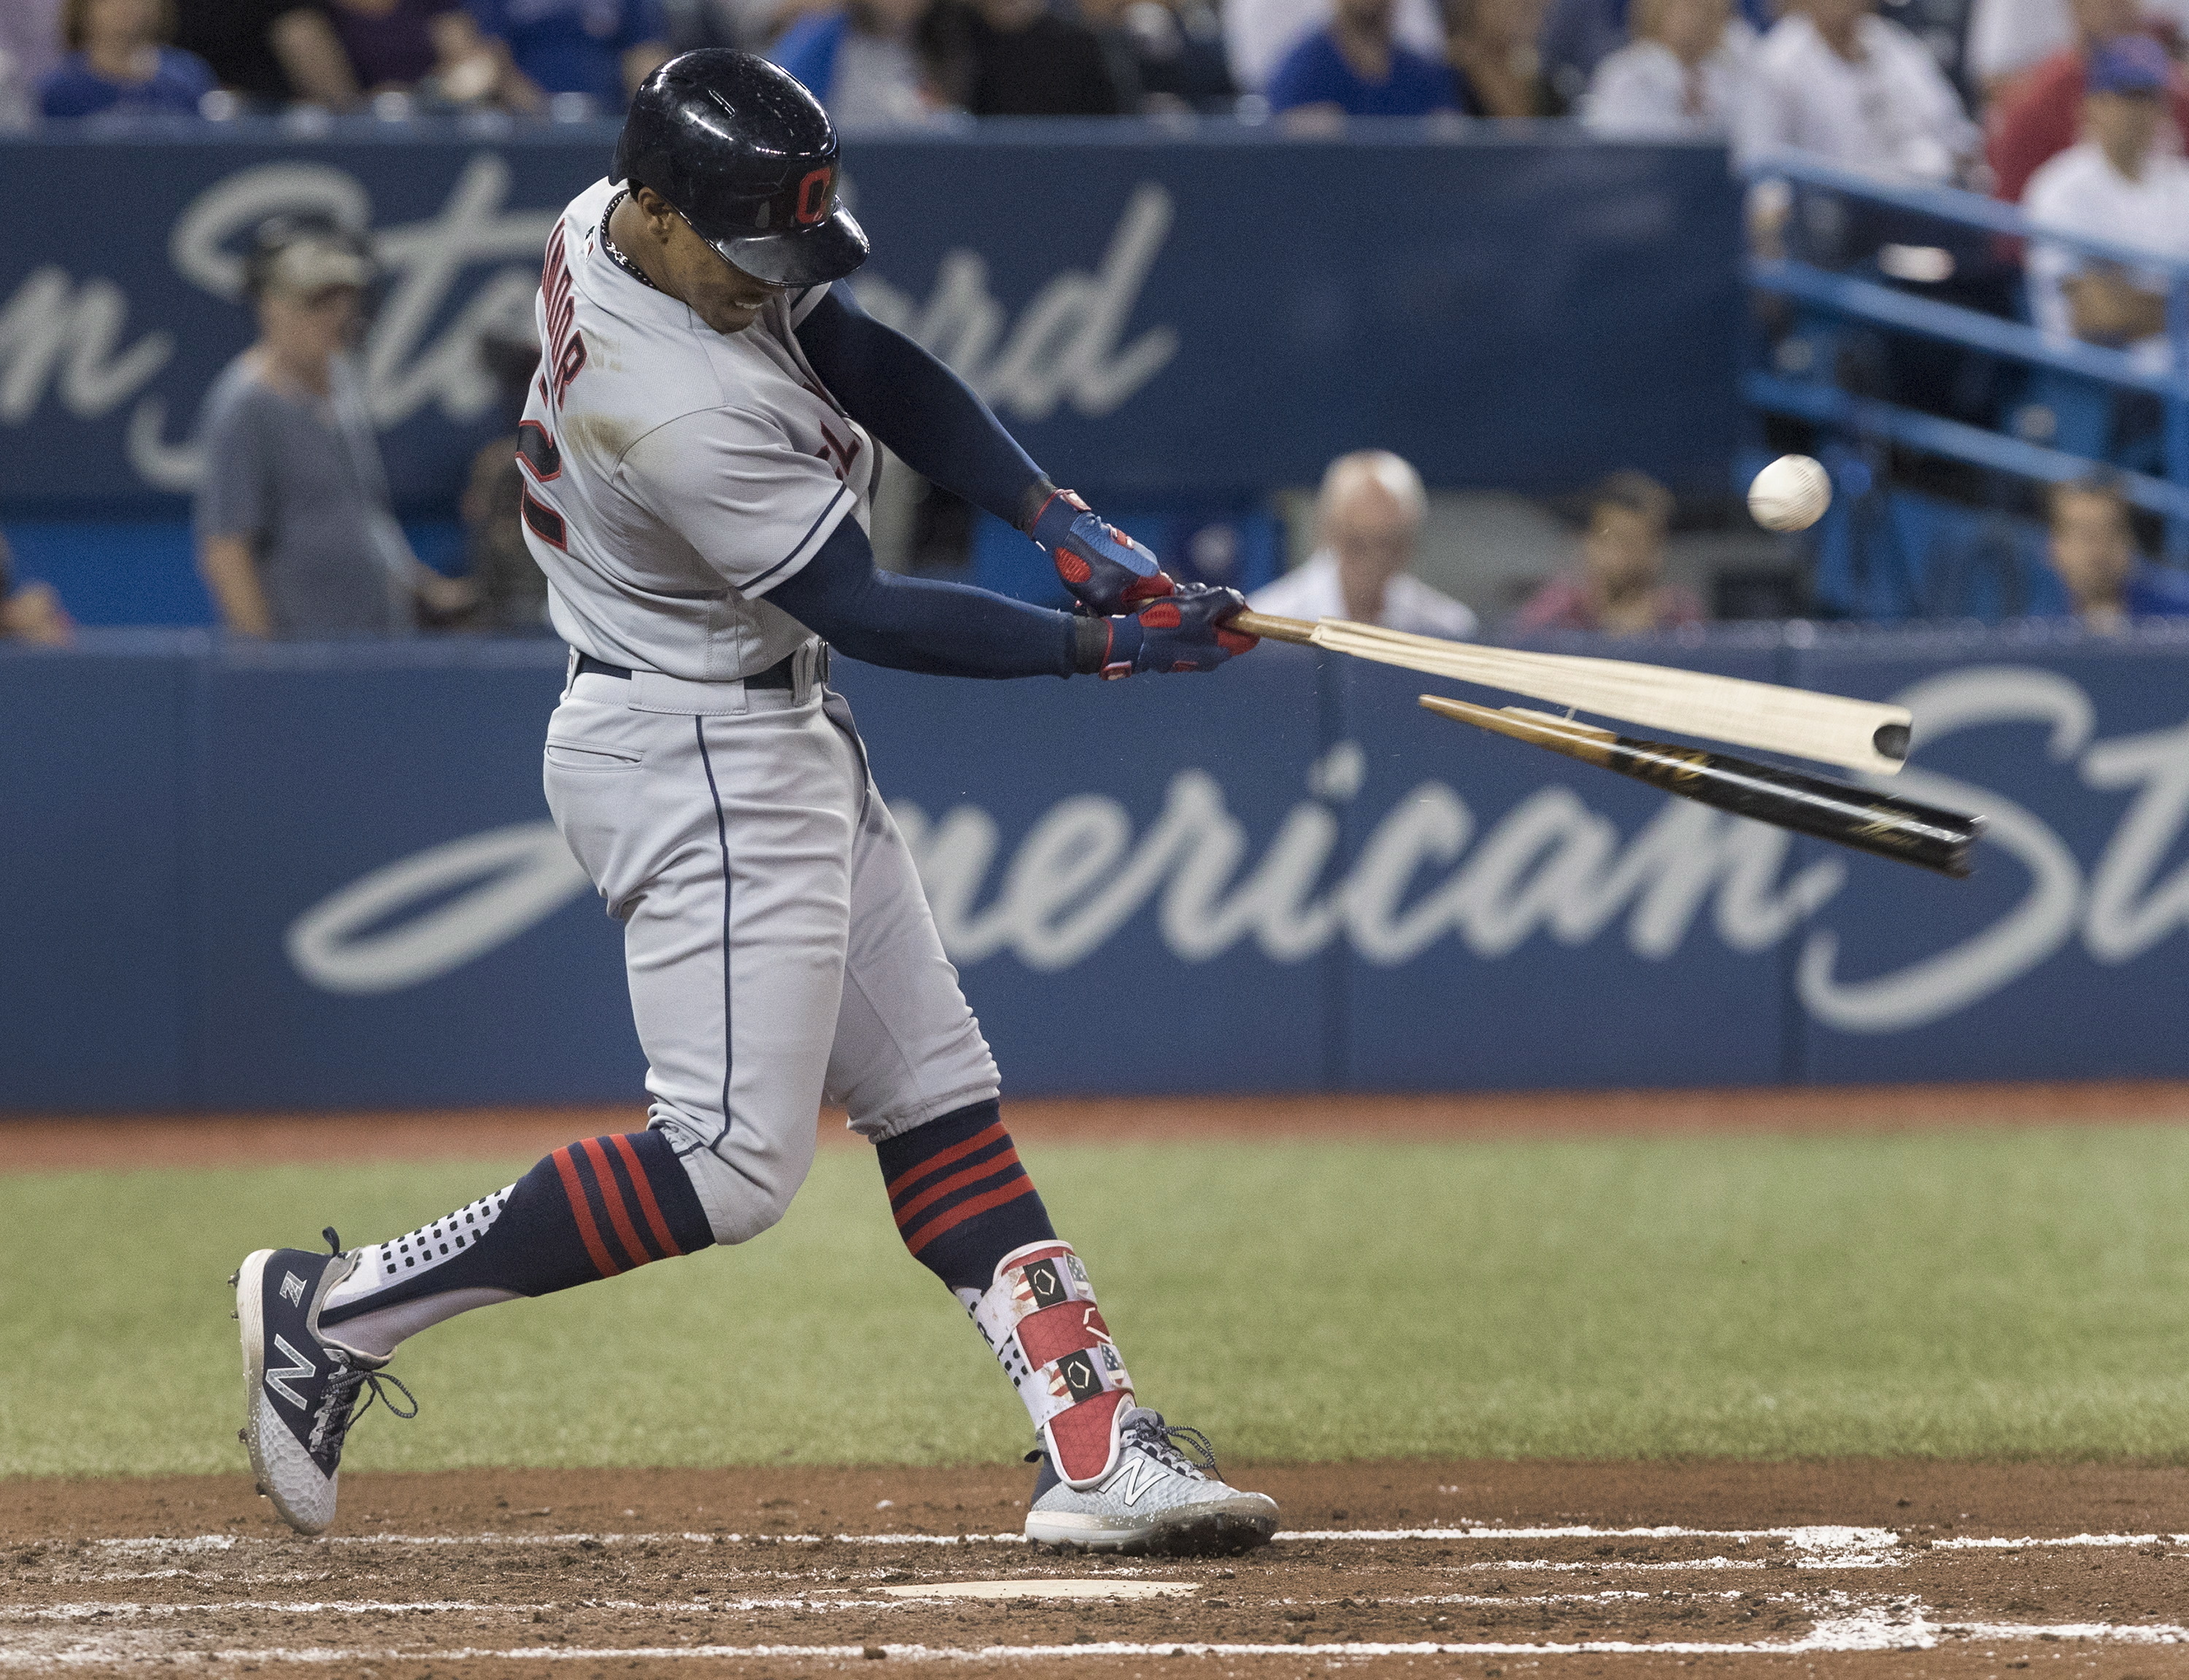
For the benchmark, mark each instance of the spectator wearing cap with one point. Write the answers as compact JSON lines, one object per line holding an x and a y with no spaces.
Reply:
{"x":1619,"y":587}
{"x":2117,"y":185}
{"x":30,"y":612}
{"x":2091,"y":546}
{"x":2043,"y":116}
{"x":596,"y":51}
{"x":1016,"y":57}
{"x":1681,"y":77}
{"x":1834,"y":79}
{"x":116,"y":63}
{"x":270,"y":52}
{"x":1354,"y":66}
{"x":294,"y":535}
{"x":862,"y":60}
{"x":1368,"y":521}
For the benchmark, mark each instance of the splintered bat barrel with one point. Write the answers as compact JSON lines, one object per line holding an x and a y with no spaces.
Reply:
{"x":1887,"y":825}
{"x":1858,"y":735}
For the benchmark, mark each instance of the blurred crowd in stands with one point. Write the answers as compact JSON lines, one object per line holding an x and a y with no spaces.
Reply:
{"x":570,"y":58}
{"x":1979,"y":92}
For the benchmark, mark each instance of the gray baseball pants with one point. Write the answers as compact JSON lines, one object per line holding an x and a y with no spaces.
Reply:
{"x":778,"y":944}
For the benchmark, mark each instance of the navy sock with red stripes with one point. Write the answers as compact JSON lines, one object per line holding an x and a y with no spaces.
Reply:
{"x":961,"y":1199}
{"x":590,"y":1211}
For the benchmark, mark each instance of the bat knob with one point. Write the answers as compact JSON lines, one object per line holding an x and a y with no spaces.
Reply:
{"x":1891,"y":740}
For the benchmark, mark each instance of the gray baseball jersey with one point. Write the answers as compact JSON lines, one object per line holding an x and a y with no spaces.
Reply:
{"x":780,"y":949}
{"x":679,"y":473}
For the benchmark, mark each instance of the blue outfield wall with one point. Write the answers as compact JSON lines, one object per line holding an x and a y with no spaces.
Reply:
{"x":1165,"y":313}
{"x":324,"y":877}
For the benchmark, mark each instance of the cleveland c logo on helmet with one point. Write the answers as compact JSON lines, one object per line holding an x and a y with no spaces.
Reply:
{"x":815,"y":193}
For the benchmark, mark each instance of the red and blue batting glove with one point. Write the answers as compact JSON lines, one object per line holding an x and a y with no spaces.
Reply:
{"x":1181,"y":632}
{"x":1105,"y":569}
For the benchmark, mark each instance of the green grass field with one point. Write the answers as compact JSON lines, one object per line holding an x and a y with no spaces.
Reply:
{"x":1963,"y":1293}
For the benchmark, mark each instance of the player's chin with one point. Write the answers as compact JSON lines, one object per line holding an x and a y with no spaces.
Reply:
{"x":734,"y":317}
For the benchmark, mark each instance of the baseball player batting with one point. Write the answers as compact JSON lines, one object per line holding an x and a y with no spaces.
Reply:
{"x":699,"y":452}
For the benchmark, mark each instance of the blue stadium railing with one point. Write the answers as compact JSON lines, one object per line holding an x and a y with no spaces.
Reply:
{"x":1850,"y":296}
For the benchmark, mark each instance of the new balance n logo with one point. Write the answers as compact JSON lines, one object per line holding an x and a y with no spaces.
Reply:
{"x":292,"y":1288}
{"x":1135,"y":1476}
{"x":299,"y":1367}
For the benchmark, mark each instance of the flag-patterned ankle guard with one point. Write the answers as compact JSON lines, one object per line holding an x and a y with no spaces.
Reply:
{"x":1040,"y":1320}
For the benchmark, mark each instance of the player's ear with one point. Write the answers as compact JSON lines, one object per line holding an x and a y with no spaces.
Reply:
{"x":655,"y":209}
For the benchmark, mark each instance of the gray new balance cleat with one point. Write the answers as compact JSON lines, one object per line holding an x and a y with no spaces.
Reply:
{"x":300,"y":1390}
{"x":1154,"y":1500}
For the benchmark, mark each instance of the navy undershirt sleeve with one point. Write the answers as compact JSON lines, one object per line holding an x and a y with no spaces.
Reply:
{"x":912,"y":401}
{"x":918,"y":624}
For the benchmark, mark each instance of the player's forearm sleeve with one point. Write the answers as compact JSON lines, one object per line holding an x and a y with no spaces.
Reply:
{"x":916,"y":624}
{"x":910,"y":399}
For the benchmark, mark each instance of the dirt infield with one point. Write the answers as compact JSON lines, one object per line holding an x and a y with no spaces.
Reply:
{"x":1492,"y":1571}
{"x":93,"y":1142}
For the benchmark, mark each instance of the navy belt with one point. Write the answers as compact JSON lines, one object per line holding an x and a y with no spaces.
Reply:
{"x":782,"y":674}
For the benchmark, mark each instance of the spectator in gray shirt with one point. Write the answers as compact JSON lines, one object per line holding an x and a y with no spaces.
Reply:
{"x":294,"y":531}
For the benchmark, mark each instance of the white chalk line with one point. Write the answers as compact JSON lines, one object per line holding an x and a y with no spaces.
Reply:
{"x":1970,"y":1544}
{"x":1894,"y":1624}
{"x":2129,"y":1633}
{"x":1823,"y":1539}
{"x":1856,"y":1633}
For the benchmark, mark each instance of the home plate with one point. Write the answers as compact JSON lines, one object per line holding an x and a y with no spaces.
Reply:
{"x":1042,"y":1589}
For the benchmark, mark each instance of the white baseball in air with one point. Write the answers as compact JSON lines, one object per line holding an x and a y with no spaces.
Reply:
{"x":1790,"y":494}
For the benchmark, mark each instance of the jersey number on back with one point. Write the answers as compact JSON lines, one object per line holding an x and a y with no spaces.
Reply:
{"x":565,"y":356}
{"x":563,"y":361}
{"x":543,"y":461}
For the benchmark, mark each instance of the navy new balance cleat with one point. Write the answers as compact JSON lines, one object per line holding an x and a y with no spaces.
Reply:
{"x":1154,"y":1500}
{"x":300,"y":1390}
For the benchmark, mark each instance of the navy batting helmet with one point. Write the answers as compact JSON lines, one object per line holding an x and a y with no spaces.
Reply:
{"x":746,"y":155}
